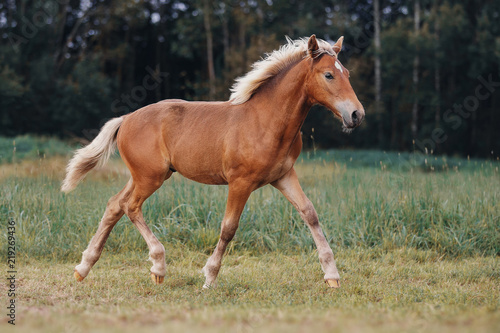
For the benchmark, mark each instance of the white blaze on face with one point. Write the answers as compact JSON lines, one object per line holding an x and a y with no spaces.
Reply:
{"x":339,"y":66}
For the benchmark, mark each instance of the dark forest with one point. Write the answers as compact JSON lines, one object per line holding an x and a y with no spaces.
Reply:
{"x":427,"y":72}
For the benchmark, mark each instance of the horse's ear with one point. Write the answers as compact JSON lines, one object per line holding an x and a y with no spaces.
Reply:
{"x":312,"y":46}
{"x":337,"y":47}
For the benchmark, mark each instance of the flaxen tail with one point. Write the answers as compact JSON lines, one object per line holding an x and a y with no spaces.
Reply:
{"x":96,"y":153}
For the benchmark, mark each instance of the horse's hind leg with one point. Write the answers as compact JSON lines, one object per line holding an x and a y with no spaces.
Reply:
{"x":132,"y":205}
{"x":111,"y":216}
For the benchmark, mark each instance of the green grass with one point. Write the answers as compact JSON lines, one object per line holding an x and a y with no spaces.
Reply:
{"x":452,"y":213}
{"x":417,"y":249}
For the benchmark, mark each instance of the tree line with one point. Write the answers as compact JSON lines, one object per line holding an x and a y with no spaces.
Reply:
{"x":426,"y":71}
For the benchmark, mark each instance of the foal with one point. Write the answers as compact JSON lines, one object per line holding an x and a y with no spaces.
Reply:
{"x":247,"y":142}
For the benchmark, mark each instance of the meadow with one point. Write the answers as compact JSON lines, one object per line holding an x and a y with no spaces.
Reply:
{"x":416,"y":239}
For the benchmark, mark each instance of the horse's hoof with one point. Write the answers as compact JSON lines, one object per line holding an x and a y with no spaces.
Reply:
{"x":77,"y":276}
{"x":333,"y":283}
{"x":157,"y":279}
{"x":212,"y":285}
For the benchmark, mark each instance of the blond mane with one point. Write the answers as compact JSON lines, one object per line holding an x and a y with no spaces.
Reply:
{"x":274,"y":62}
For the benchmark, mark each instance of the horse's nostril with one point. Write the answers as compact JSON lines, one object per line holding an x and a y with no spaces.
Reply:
{"x":355,"y":116}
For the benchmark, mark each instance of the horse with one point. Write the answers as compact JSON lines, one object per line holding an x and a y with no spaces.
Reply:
{"x":249,"y":141}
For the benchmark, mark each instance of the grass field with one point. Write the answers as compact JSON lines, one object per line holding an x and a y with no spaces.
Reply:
{"x":416,"y":238}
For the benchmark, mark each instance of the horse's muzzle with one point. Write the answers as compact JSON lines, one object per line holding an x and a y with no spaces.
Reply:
{"x":356,"y":119}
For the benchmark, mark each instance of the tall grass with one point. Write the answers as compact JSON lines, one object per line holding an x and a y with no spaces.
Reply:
{"x":455,"y":212}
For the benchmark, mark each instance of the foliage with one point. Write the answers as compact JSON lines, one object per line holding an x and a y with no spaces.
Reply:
{"x":65,"y":69}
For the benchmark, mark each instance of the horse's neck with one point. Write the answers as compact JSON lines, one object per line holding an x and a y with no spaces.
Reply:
{"x":282,"y":103}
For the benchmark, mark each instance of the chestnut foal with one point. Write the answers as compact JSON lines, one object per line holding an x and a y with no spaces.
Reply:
{"x":247,"y":142}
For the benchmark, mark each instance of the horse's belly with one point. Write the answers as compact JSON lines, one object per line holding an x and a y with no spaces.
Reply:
{"x":206,"y":178}
{"x":201,"y":166}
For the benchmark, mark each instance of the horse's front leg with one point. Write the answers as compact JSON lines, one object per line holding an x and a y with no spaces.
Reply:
{"x":291,"y":189}
{"x":237,"y":197}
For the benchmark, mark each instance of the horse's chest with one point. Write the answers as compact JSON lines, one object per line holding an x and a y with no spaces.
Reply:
{"x":273,"y":170}
{"x":278,"y":163}
{"x":281,"y":168}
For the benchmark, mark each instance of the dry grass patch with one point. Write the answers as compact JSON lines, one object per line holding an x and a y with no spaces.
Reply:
{"x":403,"y":290}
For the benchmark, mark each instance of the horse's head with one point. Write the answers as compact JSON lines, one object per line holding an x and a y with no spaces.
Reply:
{"x":328,"y":85}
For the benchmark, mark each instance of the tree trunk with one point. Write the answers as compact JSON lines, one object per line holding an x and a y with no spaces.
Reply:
{"x":225,"y":36}
{"x":242,"y":31}
{"x":228,"y":70}
{"x":60,"y":31}
{"x":378,"y":75}
{"x":473,"y":135}
{"x":416,"y":61}
{"x":9,"y":16}
{"x":71,"y":37}
{"x":210,"y":53}
{"x":158,"y":68}
{"x":437,"y":71}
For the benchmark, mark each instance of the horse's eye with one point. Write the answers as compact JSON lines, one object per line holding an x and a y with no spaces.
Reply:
{"x":328,"y":76}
